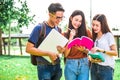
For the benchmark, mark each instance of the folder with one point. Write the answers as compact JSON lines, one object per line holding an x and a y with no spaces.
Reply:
{"x":52,"y":40}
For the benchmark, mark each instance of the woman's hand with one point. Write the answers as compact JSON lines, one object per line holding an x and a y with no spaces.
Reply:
{"x":82,"y":49}
{"x":95,"y":49}
{"x":60,"y":49}
{"x":94,"y":60}
{"x":64,"y":50}
{"x":72,"y":34}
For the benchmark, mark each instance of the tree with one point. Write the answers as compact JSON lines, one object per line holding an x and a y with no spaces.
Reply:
{"x":9,"y":13}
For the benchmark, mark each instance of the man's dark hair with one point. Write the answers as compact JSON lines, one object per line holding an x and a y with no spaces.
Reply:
{"x":54,"y":7}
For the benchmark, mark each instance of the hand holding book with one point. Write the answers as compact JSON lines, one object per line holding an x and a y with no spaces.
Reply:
{"x":97,"y":56}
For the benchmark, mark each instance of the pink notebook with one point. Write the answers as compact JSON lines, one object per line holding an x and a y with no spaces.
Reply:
{"x":83,"y":41}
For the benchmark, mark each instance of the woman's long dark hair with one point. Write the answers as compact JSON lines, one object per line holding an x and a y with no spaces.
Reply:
{"x":104,"y":25}
{"x":82,"y":29}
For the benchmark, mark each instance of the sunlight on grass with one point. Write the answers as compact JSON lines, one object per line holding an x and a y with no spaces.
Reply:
{"x":20,"y":68}
{"x":17,"y":68}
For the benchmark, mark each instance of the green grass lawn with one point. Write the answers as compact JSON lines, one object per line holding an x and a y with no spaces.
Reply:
{"x":20,"y":68}
{"x":17,"y":68}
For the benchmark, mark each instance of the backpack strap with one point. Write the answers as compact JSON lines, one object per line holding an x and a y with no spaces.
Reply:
{"x":41,"y":38}
{"x":42,"y":33}
{"x":43,"y":30}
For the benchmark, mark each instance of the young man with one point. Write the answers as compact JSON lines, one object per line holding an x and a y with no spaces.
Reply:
{"x":46,"y":70}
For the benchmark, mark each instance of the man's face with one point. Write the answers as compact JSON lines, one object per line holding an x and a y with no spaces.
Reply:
{"x":57,"y":17}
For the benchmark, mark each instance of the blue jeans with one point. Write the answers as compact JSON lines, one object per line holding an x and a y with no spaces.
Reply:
{"x":99,"y":72}
{"x":49,"y":72}
{"x":77,"y":69}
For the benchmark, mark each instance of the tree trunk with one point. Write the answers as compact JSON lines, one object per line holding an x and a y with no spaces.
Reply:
{"x":0,"y":42}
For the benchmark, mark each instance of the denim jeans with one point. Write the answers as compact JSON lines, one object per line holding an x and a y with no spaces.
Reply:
{"x":49,"y":72}
{"x":77,"y":69}
{"x":99,"y":72}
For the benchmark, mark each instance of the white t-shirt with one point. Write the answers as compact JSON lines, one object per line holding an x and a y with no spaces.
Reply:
{"x":104,"y":43}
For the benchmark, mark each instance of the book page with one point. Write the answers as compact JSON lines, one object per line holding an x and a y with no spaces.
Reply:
{"x":83,"y":41}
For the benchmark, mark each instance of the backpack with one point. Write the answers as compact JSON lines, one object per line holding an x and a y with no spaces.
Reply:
{"x":42,"y":37}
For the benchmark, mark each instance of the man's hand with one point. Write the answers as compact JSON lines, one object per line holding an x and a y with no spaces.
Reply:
{"x":53,"y":57}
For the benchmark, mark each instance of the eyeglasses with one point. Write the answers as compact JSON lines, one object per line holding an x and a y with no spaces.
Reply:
{"x":57,"y":17}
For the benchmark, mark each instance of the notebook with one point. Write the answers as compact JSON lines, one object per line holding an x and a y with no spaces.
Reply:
{"x":83,"y":41}
{"x":97,"y":55}
{"x":52,"y":40}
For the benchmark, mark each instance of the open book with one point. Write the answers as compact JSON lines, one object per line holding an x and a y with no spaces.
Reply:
{"x":83,"y":41}
{"x":53,"y":39}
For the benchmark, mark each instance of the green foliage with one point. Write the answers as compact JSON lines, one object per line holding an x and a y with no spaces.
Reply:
{"x":10,"y":13}
{"x":117,"y":70}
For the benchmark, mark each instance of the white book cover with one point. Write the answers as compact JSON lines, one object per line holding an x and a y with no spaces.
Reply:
{"x":52,"y":40}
